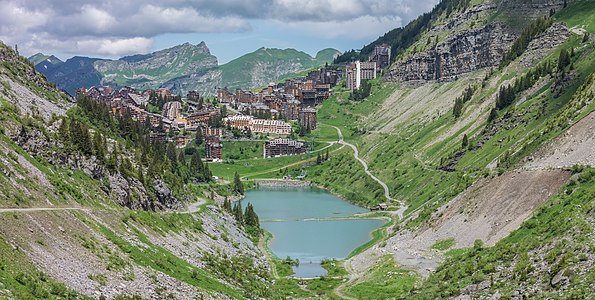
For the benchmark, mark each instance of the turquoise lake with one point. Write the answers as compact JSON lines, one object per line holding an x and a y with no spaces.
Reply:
{"x":288,"y":213}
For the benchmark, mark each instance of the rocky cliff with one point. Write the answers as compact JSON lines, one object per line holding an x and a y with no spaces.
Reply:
{"x":475,"y":38}
{"x":463,"y":53}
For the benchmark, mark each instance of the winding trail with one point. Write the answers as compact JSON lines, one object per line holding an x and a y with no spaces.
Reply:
{"x":34,"y":209}
{"x":402,"y":205}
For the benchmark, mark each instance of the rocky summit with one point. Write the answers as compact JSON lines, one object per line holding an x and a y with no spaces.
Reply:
{"x":180,"y":69}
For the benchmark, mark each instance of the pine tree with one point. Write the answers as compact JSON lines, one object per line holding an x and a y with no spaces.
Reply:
{"x":237,"y":213}
{"x":199,"y":136}
{"x":458,"y":108}
{"x":171,"y":154}
{"x":227,"y":205}
{"x":250,"y":217}
{"x":181,"y":158}
{"x":141,"y":176}
{"x":493,"y":114}
{"x":563,"y":59}
{"x":238,"y":186}
{"x":465,"y":141}
{"x":99,"y":146}
{"x":326,"y":155}
{"x":206,"y":172}
{"x":196,"y":167}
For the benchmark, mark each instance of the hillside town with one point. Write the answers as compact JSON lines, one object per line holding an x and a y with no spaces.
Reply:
{"x":272,"y":111}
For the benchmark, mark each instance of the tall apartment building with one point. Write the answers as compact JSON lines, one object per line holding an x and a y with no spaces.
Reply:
{"x":381,"y":56}
{"x":359,"y":71}
{"x":213,"y":148}
{"x":291,"y":109}
{"x":281,"y":147}
{"x":172,"y":109}
{"x":308,"y":118}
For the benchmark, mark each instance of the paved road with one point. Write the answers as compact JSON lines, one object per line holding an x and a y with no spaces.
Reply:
{"x":402,"y":205}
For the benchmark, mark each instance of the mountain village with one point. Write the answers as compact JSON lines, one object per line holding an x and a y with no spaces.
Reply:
{"x":280,"y":111}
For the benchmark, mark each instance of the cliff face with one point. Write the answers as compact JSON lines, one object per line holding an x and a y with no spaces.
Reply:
{"x":466,"y":52}
{"x":476,"y":38}
{"x":154,"y":70}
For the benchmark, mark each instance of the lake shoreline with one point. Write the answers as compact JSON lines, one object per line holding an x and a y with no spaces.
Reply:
{"x":280,"y":204}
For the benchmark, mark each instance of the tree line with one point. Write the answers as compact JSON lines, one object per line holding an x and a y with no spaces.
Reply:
{"x":152,"y":157}
{"x":528,"y":34}
{"x":401,"y":38}
{"x":507,"y":93}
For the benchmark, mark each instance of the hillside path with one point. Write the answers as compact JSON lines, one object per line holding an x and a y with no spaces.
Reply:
{"x":34,"y":209}
{"x":402,"y":205}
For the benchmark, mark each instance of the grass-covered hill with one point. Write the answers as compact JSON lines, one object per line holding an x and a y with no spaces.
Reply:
{"x":87,"y":213}
{"x":267,"y":65}
{"x":489,"y":162}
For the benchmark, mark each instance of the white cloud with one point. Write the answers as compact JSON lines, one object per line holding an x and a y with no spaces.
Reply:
{"x":114,"y":27}
{"x":358,"y":28}
{"x":114,"y":47}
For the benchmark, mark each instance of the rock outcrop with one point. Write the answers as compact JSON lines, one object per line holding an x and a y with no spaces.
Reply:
{"x":463,"y":53}
{"x":470,"y":47}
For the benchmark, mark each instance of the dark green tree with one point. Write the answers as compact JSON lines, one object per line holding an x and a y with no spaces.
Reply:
{"x":227,"y":205}
{"x":458,"y":108}
{"x":199,"y":137}
{"x":237,"y":213}
{"x":250,"y":217}
{"x":196,"y":167}
{"x":238,"y":186}
{"x":563,"y":59}
{"x":172,"y":155}
{"x":493,"y":114}
{"x":465,"y":141}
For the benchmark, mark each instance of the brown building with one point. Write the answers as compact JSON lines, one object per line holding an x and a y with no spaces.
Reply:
{"x":291,"y":109}
{"x":224,"y":96}
{"x":182,"y":141}
{"x":281,"y":147}
{"x":172,"y":110}
{"x":358,"y":72}
{"x":308,"y":118}
{"x":211,"y":131}
{"x":381,"y":56}
{"x":213,"y":148}
{"x":202,"y":117}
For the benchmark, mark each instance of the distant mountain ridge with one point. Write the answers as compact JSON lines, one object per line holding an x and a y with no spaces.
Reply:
{"x":181,"y":68}
{"x":269,"y":64}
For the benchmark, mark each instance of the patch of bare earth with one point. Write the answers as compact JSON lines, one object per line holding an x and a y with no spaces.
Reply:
{"x":407,"y":104}
{"x":575,"y":146}
{"x":489,"y":210}
{"x":67,"y":249}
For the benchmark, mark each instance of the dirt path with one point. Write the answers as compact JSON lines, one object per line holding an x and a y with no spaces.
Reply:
{"x":353,"y":277}
{"x":191,"y":208}
{"x":402,"y":205}
{"x":34,"y":209}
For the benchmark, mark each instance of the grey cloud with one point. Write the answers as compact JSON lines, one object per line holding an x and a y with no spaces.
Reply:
{"x":115,"y":23}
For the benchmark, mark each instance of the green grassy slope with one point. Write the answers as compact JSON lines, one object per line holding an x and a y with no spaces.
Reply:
{"x":270,"y":65}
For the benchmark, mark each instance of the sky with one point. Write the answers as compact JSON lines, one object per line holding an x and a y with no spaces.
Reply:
{"x":230,"y":28}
